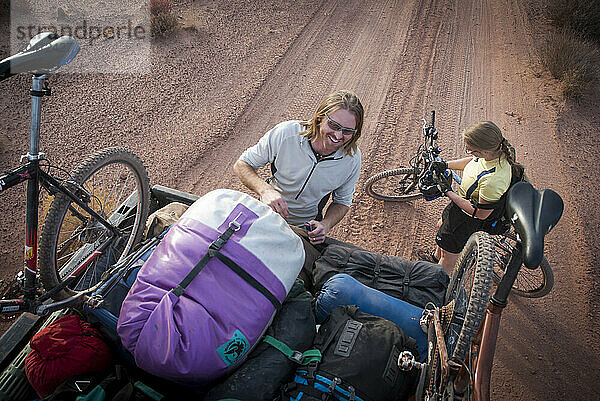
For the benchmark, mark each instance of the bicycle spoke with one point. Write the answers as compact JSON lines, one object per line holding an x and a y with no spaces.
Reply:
{"x":394,"y":185}
{"x":114,"y":184}
{"x":531,"y":283}
{"x":528,"y":279}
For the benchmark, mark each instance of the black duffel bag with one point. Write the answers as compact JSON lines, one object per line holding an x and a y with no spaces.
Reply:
{"x":417,"y":282}
{"x":359,"y":361}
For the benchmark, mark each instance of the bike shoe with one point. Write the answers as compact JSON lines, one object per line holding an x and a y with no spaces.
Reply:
{"x":426,"y":255}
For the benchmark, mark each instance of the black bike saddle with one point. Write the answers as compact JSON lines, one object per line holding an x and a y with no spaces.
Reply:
{"x":45,"y":53}
{"x":533,"y":213}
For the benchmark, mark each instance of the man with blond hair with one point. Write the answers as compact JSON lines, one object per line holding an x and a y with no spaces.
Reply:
{"x":310,"y":160}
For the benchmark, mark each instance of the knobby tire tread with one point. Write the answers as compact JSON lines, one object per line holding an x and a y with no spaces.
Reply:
{"x":59,"y":208}
{"x":481,"y":243}
{"x":392,"y":198}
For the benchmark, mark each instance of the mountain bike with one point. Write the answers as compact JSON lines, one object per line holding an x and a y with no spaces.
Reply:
{"x":414,"y":182}
{"x":462,"y":335}
{"x":421,"y":180}
{"x":97,"y":213}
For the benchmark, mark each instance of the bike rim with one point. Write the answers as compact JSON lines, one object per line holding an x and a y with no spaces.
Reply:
{"x":394,"y":185}
{"x":80,"y":235}
{"x":528,"y":282}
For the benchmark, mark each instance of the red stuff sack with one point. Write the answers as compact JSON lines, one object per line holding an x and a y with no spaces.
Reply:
{"x":65,"y":348}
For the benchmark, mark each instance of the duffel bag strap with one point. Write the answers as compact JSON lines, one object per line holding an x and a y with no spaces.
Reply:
{"x":213,"y":249}
{"x":406,"y":281}
{"x":341,"y":256}
{"x":237,"y":269}
{"x":322,"y":388}
{"x":377,"y":269}
{"x":301,"y":358}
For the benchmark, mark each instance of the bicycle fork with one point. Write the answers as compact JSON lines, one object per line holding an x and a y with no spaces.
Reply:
{"x":484,"y":345}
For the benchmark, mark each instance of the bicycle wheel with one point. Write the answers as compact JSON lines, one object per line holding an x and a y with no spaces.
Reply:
{"x":75,"y":246}
{"x":388,"y":186}
{"x":530,"y":283}
{"x":469,"y":288}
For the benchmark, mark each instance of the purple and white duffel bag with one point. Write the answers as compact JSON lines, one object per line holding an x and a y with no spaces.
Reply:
{"x":210,"y":289}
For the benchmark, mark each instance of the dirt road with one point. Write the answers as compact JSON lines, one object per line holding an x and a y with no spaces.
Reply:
{"x":228,"y":76}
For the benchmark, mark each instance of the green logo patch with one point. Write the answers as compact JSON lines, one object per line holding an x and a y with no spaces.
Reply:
{"x":234,"y":349}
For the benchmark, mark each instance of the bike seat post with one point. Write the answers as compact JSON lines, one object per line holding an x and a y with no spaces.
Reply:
{"x":37,"y":92}
{"x":31,"y":220}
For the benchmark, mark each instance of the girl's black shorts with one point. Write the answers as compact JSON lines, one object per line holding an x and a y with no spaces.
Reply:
{"x":457,"y":227}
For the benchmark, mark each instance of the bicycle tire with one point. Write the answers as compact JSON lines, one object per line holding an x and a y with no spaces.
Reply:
{"x":68,"y":239}
{"x":530,"y":283}
{"x":470,"y":288}
{"x":406,"y":190}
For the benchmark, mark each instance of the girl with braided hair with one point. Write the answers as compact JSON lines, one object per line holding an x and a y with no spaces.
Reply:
{"x":487,"y":175}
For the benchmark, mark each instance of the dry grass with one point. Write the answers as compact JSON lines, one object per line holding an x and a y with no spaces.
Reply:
{"x":573,"y":61}
{"x":581,"y":17}
{"x":571,"y":52}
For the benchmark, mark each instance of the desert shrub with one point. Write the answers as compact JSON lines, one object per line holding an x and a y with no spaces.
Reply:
{"x":162,"y":21}
{"x":582,"y":17}
{"x":160,"y":7}
{"x":575,"y":62}
{"x":163,"y":24}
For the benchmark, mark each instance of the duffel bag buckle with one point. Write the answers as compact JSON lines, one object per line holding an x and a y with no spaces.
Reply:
{"x":296,"y":357}
{"x":334,"y":383}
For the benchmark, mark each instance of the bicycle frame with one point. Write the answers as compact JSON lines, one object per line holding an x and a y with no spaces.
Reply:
{"x":427,"y":151}
{"x":35,"y":176}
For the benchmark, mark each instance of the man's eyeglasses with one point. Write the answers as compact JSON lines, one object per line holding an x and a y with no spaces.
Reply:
{"x":334,"y":125}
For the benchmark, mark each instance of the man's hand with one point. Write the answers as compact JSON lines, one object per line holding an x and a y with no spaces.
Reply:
{"x":318,"y":233}
{"x":275,"y":201}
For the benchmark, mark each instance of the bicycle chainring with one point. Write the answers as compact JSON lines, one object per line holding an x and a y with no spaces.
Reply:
{"x":10,"y":290}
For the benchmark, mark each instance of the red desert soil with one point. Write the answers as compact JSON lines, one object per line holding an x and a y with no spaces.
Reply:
{"x":240,"y":67}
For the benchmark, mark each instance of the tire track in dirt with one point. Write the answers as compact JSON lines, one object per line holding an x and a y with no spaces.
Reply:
{"x":265,"y":109}
{"x":395,"y":141}
{"x":424,"y":80}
